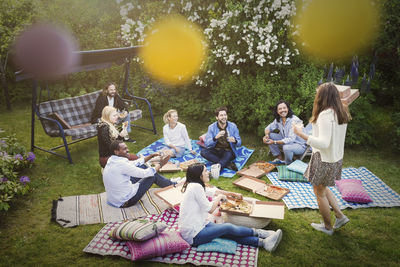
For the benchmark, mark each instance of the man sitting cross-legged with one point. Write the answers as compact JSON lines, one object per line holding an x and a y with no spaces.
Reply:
{"x":127,"y":181}
{"x":221,"y":140}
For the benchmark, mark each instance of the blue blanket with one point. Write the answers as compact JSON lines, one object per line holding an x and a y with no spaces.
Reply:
{"x":301,"y":195}
{"x":243,"y":155}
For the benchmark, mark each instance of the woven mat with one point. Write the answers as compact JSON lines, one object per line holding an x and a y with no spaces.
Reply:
{"x":243,"y":154}
{"x":102,"y":244}
{"x":90,"y":209}
{"x":302,"y":196}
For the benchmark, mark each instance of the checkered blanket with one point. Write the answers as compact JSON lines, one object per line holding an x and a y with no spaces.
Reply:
{"x":102,"y":244}
{"x":243,"y":155}
{"x":302,"y":196}
{"x":75,"y":111}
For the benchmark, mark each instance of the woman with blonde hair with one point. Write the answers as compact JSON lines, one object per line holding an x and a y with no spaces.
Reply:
{"x":175,"y":135}
{"x":107,"y":132}
{"x":329,"y":120}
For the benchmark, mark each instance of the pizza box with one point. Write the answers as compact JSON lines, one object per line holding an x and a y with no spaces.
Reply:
{"x":170,"y":167}
{"x":354,"y":93}
{"x":251,"y":172}
{"x":268,"y":209}
{"x":264,"y":166}
{"x":184,"y":165}
{"x":344,"y":90}
{"x":260,"y":187}
{"x":172,"y":195}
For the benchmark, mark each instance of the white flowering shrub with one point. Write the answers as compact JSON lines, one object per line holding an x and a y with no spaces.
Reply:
{"x":243,"y":36}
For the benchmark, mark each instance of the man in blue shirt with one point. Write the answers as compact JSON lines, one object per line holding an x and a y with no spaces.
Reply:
{"x":221,"y":141}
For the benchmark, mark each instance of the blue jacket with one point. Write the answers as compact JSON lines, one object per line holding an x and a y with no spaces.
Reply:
{"x":232,"y":130}
{"x":287,"y":131}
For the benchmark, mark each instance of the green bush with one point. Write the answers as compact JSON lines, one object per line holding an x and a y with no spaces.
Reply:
{"x":13,"y":159}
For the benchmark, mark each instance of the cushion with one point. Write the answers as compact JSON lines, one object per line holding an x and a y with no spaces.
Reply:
{"x":297,"y":166}
{"x":287,"y":175}
{"x":57,"y":117}
{"x":219,"y":245}
{"x":165,"y":243}
{"x":352,"y":190}
{"x":201,"y":140}
{"x":137,"y":230}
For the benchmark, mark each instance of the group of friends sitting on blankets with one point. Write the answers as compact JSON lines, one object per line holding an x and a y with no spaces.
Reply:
{"x":127,"y":177}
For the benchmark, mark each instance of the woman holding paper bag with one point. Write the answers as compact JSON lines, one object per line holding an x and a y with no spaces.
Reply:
{"x":195,"y":207}
{"x":329,"y":119}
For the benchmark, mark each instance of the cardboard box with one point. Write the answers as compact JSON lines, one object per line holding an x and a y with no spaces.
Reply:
{"x":261,"y":187}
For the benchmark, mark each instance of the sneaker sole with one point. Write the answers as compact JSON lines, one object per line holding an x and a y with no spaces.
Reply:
{"x":277,"y":241}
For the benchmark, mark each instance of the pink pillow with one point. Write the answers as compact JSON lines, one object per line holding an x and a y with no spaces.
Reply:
{"x":201,"y":140}
{"x":165,"y":243}
{"x":353,"y":191}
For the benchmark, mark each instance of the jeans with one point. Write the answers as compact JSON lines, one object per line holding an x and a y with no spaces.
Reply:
{"x":221,"y":156}
{"x":289,"y":150}
{"x":180,"y":153}
{"x":145,"y":184}
{"x":242,"y":235}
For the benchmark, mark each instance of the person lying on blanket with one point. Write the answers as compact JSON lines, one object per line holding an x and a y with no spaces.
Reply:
{"x":175,"y":135}
{"x":221,"y":141}
{"x":194,"y":210}
{"x":127,"y":181}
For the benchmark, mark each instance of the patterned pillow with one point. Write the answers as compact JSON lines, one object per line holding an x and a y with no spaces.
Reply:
{"x":297,"y":166}
{"x":137,"y":230}
{"x":165,"y":243}
{"x":287,"y":175}
{"x":353,"y":191}
{"x":219,"y":245}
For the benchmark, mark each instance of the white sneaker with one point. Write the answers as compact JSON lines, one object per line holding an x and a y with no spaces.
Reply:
{"x":321,"y":227}
{"x":264,"y":233}
{"x":340,"y":222}
{"x":272,"y":242}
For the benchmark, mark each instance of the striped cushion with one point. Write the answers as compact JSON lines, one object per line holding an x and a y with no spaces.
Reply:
{"x":137,"y":230}
{"x":166,"y":243}
{"x":284,"y":174}
{"x":297,"y":166}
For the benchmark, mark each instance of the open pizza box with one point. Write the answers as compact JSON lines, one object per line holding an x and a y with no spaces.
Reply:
{"x":252,"y":171}
{"x":260,"y":187}
{"x":347,"y":95}
{"x":184,"y":165}
{"x":170,"y":167}
{"x":263,"y":165}
{"x":172,"y":195}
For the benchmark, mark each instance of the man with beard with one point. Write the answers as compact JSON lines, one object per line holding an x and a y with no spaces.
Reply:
{"x":221,"y":141}
{"x":110,"y":97}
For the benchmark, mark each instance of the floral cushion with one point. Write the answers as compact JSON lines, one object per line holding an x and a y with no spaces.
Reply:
{"x":297,"y":166}
{"x":165,"y":243}
{"x":219,"y":245}
{"x":353,"y":191}
{"x":137,"y":230}
{"x":284,"y":174}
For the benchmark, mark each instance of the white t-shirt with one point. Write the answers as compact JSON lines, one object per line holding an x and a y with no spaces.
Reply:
{"x":193,"y":212}
{"x":116,"y":179}
{"x":177,"y":136}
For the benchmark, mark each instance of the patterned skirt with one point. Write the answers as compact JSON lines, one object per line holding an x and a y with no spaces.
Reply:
{"x":323,"y":173}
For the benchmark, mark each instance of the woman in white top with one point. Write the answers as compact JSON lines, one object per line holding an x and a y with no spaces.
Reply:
{"x":195,"y":207}
{"x":329,"y":119}
{"x":175,"y":135}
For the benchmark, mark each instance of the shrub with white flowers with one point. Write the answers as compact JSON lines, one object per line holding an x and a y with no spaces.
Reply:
{"x":243,"y":36}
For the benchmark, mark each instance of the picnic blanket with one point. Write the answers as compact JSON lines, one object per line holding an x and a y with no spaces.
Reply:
{"x":243,"y":154}
{"x":90,"y":209}
{"x":302,"y":196}
{"x":102,"y":244}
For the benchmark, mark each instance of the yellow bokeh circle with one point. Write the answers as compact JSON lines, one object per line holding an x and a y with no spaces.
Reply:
{"x":173,"y":50}
{"x":335,"y":29}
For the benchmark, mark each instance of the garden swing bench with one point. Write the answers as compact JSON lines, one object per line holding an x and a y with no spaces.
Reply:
{"x":71,"y":116}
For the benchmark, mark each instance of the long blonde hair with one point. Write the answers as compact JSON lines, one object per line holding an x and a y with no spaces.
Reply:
{"x":105,"y":117}
{"x":168,"y":115}
{"x":328,"y":97}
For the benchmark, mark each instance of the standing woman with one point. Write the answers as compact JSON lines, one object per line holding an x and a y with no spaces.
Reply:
{"x":106,"y":133}
{"x":195,"y":207}
{"x":329,"y":119}
{"x":175,"y":135}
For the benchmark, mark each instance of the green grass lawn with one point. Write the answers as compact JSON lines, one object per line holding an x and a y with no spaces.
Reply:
{"x":28,"y":237}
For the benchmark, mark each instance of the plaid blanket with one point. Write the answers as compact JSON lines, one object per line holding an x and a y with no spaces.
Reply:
{"x":102,"y":244}
{"x":302,"y":196}
{"x":243,"y":155}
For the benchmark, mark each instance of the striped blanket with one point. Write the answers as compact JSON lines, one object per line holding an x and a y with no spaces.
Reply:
{"x":90,"y":209}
